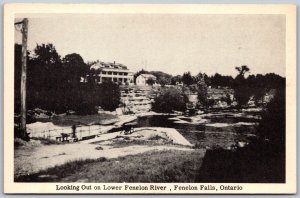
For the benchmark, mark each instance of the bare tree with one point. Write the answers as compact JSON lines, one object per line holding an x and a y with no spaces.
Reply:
{"x":242,"y":70}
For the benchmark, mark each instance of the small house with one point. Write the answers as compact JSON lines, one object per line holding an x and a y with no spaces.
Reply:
{"x":143,"y":79}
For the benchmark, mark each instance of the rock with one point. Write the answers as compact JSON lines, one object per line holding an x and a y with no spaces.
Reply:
{"x":99,"y":148}
{"x":241,"y":144}
{"x":48,"y":176}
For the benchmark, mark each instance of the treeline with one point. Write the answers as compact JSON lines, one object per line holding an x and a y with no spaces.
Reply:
{"x":255,"y":86}
{"x":54,"y":83}
{"x":269,"y":80}
{"x":245,"y":87}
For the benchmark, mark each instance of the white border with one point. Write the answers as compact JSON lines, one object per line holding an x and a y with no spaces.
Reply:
{"x":33,"y":9}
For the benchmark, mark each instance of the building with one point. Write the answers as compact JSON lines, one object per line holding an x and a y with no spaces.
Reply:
{"x":143,"y":78}
{"x":115,"y":72}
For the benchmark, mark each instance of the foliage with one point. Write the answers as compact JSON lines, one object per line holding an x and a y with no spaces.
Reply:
{"x":169,"y":100}
{"x":150,"y":81}
{"x":202,"y":91}
{"x":54,"y":84}
{"x":261,"y":84}
{"x":164,"y":81}
{"x":152,"y":167}
{"x":242,"y":70}
{"x":74,"y":68}
{"x":222,"y":81}
{"x":272,"y":124}
{"x":268,"y":150}
{"x":227,"y":99}
{"x":92,"y":76}
{"x":139,"y":73}
{"x":110,"y":98}
{"x":187,"y":78}
{"x":162,"y":78}
{"x":255,"y":85}
{"x":176,"y":79}
{"x":210,"y":102}
{"x":242,"y":91}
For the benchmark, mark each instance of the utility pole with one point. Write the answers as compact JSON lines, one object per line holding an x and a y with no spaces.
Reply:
{"x":24,"y":31}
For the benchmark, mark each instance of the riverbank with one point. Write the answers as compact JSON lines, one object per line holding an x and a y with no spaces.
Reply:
{"x":156,"y":166}
{"x":31,"y":159}
{"x":152,"y":132}
{"x":91,"y":125}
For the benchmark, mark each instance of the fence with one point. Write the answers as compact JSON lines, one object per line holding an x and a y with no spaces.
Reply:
{"x":81,"y":132}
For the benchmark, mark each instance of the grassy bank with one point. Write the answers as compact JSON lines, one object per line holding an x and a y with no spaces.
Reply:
{"x":154,"y":166}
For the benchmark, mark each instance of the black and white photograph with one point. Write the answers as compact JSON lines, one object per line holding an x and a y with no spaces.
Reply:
{"x":152,"y":102}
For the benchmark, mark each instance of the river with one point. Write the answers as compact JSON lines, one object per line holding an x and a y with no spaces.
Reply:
{"x":211,"y":130}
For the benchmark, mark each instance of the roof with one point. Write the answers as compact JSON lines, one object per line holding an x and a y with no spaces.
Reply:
{"x":148,"y":76}
{"x":113,"y":65}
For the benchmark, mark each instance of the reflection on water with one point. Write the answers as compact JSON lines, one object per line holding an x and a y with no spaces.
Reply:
{"x":210,"y":133}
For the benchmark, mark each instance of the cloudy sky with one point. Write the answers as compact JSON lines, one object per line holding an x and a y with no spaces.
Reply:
{"x":168,"y":42}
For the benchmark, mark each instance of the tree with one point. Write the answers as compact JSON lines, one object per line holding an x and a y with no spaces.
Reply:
{"x":164,"y":81}
{"x":187,"y":78}
{"x":54,"y":84}
{"x":242,"y":70}
{"x":139,"y":73}
{"x":228,"y":99}
{"x":161,"y":77}
{"x":176,"y":79}
{"x":242,"y":91}
{"x":150,"y":81}
{"x":93,"y":76}
{"x":202,"y":91}
{"x":199,"y":77}
{"x":46,"y":54}
{"x":220,"y":80}
{"x":170,"y":100}
{"x":74,"y":68}
{"x":46,"y":82}
{"x":45,"y":67}
{"x":207,"y":79}
{"x":110,"y":95}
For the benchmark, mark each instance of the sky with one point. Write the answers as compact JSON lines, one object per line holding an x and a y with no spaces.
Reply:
{"x":172,"y":43}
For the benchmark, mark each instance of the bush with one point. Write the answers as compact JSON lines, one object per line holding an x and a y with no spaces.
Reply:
{"x":170,"y":100}
{"x":85,"y":109}
{"x":272,"y":124}
{"x":242,"y":95}
{"x":109,"y":96}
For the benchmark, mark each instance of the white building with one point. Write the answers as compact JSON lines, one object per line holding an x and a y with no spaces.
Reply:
{"x":143,"y":78}
{"x":115,"y":72}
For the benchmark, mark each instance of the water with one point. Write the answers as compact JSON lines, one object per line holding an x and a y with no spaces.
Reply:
{"x":213,"y":130}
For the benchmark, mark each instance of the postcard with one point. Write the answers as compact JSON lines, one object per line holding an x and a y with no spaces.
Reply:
{"x":149,"y":99}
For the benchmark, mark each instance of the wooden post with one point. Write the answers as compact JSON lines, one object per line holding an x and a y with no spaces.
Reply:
{"x":23,"y":78}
